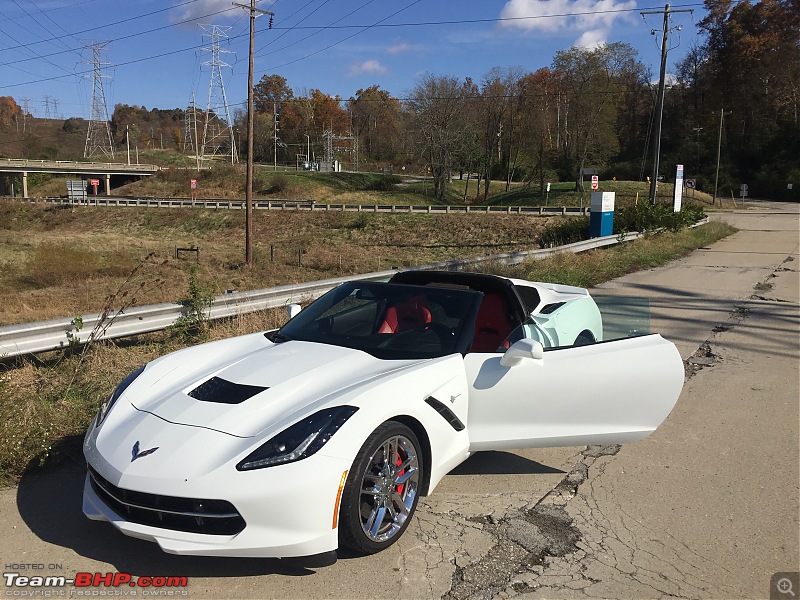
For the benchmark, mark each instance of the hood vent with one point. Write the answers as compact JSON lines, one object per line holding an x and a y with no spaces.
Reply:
{"x":222,"y":391}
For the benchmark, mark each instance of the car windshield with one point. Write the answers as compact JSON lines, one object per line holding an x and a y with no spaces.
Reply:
{"x":389,"y":321}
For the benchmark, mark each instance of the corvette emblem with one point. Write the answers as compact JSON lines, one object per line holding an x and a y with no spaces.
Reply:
{"x":136,"y":454}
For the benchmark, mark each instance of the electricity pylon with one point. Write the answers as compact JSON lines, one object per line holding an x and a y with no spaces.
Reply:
{"x":98,"y":136}
{"x":218,"y":135}
{"x":190,"y":127}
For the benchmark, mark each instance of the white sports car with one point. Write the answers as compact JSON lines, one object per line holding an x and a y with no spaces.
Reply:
{"x":326,"y":432}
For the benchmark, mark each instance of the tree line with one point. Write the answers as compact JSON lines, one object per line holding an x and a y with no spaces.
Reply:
{"x":733,"y":101}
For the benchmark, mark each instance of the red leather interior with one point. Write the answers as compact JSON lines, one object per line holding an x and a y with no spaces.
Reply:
{"x":492,"y":324}
{"x":411,"y":314}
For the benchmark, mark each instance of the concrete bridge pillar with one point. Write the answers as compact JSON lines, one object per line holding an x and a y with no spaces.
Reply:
{"x":24,"y":184}
{"x":108,"y":185}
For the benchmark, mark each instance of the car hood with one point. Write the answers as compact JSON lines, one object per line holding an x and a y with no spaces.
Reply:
{"x":255,"y":390}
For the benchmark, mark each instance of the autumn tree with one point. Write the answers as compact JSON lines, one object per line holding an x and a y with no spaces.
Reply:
{"x":270,"y":91}
{"x":9,"y":110}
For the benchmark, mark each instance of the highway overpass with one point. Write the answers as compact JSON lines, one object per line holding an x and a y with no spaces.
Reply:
{"x":12,"y":169}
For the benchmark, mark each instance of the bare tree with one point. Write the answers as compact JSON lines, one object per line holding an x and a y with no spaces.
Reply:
{"x":436,"y":106}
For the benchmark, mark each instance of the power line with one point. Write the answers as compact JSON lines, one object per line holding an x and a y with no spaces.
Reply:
{"x":115,"y":23}
{"x":344,"y":39}
{"x":129,"y":36}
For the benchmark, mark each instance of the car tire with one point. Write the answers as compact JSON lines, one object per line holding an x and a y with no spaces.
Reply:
{"x":380,"y":495}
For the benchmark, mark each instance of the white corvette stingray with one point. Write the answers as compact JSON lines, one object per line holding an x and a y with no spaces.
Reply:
{"x":326,"y":432}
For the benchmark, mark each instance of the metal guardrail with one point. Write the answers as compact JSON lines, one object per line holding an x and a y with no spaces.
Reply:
{"x":310,"y":205}
{"x":29,"y":338}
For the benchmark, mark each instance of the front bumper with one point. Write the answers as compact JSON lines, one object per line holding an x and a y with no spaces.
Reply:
{"x":288,"y":511}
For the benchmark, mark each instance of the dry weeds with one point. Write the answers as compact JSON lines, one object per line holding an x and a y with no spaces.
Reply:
{"x":58,"y":261}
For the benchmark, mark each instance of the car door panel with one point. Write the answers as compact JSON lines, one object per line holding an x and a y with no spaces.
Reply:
{"x":611,"y":392}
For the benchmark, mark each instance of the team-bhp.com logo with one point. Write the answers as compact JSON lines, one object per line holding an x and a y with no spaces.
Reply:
{"x":24,"y":585}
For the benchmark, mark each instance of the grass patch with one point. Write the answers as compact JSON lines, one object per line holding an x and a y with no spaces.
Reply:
{"x":589,"y":269}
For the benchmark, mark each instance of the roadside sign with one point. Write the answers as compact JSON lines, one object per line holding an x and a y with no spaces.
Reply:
{"x":94,"y":183}
{"x":677,"y":194}
{"x":690,"y":183}
{"x":743,"y":190}
{"x":194,"y":184}
{"x":548,"y":186}
{"x":595,"y":182}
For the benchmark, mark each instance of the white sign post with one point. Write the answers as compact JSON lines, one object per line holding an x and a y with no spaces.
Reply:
{"x":677,"y":195}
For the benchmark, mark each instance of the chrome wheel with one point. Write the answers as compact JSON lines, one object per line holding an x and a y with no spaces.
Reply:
{"x":382,"y":489}
{"x":389,"y":488}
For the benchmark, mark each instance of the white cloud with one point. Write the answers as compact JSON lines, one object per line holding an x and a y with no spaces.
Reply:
{"x":399,"y":48}
{"x":202,"y":8}
{"x":591,"y":20}
{"x":592,"y":39}
{"x":368,"y":66}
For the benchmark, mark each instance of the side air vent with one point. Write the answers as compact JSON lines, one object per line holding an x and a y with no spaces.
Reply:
{"x":448,"y":414}
{"x":551,"y":308}
{"x":222,"y":391}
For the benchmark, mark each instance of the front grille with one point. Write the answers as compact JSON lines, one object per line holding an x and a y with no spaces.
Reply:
{"x":193,"y":515}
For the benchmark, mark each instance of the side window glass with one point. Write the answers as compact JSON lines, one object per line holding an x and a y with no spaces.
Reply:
{"x":530,"y":297}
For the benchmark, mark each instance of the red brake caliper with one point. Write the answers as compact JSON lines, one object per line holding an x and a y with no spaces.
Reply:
{"x":402,"y":485}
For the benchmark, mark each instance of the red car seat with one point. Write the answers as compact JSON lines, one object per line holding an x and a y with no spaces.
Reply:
{"x":408,"y":315}
{"x":492,"y":324}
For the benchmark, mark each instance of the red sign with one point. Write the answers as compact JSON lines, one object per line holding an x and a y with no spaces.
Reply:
{"x":194,"y":183}
{"x":94,"y":182}
{"x":595,"y":182}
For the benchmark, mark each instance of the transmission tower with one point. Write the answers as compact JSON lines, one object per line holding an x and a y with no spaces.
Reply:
{"x":218,"y":135}
{"x":190,"y":127}
{"x":98,"y":136}
{"x":26,"y":110}
{"x":46,"y":101}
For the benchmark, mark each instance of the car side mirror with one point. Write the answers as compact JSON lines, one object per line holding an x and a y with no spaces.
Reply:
{"x":293,"y":310}
{"x":524,"y":348}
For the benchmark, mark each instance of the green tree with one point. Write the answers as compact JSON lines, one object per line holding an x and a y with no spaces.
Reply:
{"x":377,"y":122}
{"x":592,"y":84}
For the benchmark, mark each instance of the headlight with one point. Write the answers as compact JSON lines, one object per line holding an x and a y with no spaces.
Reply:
{"x":299,"y":441}
{"x":106,"y":405}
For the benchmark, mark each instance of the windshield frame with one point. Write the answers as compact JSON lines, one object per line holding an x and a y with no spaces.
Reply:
{"x":307,"y":325}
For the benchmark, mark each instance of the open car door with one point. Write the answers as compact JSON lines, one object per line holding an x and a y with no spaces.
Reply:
{"x":606,"y":393}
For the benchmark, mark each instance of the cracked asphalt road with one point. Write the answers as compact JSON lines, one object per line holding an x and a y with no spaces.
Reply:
{"x":707,"y":507}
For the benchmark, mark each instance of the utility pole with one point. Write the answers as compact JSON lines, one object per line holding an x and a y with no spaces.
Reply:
{"x":248,"y":249}
{"x":660,"y":100}
{"x":128,"y":143}
{"x":719,"y":149}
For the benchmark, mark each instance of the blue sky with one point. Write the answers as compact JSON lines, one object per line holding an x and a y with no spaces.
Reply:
{"x":338,"y":46}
